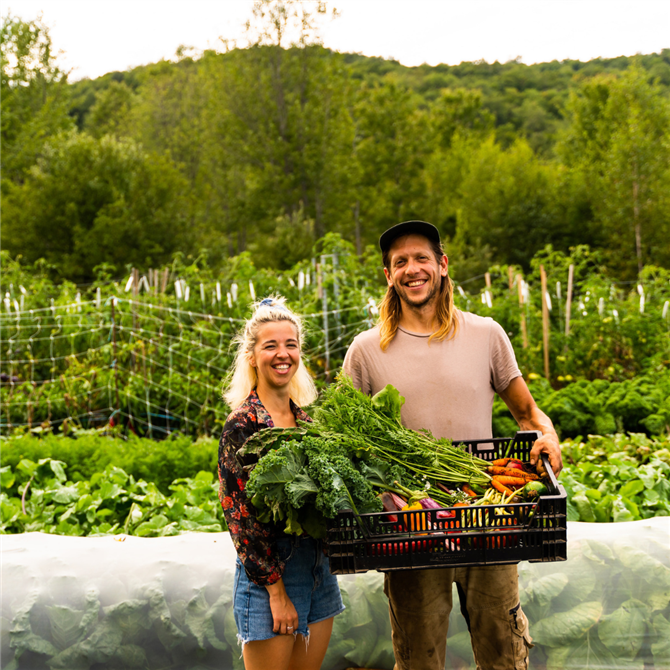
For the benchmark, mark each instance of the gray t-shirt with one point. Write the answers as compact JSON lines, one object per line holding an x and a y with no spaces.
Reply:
{"x":448,"y":386}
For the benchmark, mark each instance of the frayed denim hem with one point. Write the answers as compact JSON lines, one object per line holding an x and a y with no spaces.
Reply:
{"x":242,"y":642}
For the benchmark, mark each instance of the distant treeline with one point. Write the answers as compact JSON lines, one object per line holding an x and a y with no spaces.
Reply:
{"x":268,"y":148}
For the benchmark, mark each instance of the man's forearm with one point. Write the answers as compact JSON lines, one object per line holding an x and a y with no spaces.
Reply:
{"x":536,"y":419}
{"x":530,"y":417}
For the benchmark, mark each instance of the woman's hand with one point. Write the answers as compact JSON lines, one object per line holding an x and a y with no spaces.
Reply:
{"x":284,"y":614}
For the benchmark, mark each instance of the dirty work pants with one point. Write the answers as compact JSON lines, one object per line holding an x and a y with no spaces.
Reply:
{"x":420,"y":602}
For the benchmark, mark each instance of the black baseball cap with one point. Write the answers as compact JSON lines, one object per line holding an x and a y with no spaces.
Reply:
{"x":424,"y":228}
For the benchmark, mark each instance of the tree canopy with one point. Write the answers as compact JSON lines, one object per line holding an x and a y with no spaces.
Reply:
{"x":269,"y":147}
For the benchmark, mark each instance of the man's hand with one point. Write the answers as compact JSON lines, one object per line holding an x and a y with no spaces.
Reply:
{"x":549,"y":445}
{"x":530,"y":417}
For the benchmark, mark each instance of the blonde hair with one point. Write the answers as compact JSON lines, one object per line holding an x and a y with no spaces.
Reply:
{"x":243,"y":377}
{"x":390,"y":308}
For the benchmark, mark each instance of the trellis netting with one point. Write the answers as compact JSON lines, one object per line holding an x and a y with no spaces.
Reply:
{"x":126,"y":602}
{"x":153,"y":360}
{"x":154,"y":368}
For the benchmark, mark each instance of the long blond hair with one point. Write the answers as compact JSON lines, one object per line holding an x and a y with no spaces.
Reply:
{"x":390,"y":308}
{"x":243,"y":377}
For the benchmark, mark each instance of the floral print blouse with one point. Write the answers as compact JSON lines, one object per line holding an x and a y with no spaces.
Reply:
{"x":254,"y":541}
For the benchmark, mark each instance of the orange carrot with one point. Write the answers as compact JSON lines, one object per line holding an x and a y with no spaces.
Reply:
{"x":469,"y":491}
{"x":511,"y":472}
{"x":509,"y":481}
{"x":501,"y":487}
{"x":502,"y":462}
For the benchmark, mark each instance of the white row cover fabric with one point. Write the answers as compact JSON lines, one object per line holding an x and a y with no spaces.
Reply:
{"x":127,"y":602}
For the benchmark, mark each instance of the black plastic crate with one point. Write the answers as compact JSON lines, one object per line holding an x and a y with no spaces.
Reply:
{"x":456,"y":536}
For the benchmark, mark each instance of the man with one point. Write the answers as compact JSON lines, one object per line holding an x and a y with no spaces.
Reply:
{"x":448,"y":365}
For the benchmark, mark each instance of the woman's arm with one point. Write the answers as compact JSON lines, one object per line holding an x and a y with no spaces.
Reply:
{"x":253,"y":540}
{"x":284,"y":614}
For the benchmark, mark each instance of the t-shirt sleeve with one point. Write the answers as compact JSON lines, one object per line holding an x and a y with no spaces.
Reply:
{"x":354,"y":366}
{"x":504,"y":367}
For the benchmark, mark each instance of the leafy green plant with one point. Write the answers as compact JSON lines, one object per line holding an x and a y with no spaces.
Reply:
{"x":87,"y":453}
{"x":599,"y":407}
{"x":617,"y":478}
{"x":39,"y":497}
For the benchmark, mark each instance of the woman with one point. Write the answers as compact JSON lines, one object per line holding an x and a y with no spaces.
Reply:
{"x":284,"y":593}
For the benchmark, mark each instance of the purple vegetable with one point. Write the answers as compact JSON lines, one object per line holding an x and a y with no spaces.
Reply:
{"x":390,"y":506}
{"x":399,"y":502}
{"x":429,"y":503}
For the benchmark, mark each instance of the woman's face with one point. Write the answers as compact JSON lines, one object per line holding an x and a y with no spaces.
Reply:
{"x":276,"y":355}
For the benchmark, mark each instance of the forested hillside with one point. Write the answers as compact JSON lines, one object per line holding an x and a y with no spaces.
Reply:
{"x":270,"y":147}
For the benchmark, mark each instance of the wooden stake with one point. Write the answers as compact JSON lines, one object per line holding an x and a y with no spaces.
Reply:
{"x":524,"y":332}
{"x":545,"y":321}
{"x":568,"y":300}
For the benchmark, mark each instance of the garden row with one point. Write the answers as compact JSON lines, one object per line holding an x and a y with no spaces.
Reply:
{"x":150,"y":351}
{"x":79,"y":487}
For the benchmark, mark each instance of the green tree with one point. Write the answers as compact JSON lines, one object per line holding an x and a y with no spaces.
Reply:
{"x":34,"y":94}
{"x":90,"y":201}
{"x":167,"y":117}
{"x":619,"y":142}
{"x":392,"y":145}
{"x":279,"y":128}
{"x":505,"y":202}
{"x":458,"y":125}
{"x":109,"y":114}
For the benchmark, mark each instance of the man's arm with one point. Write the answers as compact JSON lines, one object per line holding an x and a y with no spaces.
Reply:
{"x":529,"y":416}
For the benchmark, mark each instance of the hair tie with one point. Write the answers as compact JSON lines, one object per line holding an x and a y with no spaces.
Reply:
{"x":269,"y":302}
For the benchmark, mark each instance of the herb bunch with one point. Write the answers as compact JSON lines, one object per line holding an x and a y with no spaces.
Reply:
{"x":374,"y":425}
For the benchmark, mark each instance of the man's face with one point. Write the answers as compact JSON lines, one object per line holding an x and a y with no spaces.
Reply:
{"x":414,"y":271}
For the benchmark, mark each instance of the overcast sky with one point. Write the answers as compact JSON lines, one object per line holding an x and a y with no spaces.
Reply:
{"x":99,"y":36}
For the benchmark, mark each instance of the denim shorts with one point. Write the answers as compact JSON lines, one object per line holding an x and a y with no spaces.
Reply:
{"x":313,"y":591}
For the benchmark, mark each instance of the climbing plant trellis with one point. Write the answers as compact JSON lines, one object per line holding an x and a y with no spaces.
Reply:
{"x":153,"y":368}
{"x":150,"y":353}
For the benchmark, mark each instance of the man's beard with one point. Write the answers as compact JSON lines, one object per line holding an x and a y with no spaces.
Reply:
{"x":402,"y":294}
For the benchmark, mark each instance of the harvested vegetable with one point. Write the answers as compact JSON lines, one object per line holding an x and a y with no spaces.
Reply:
{"x":536,"y":488}
{"x":355,"y":447}
{"x":502,"y":462}
{"x":496,"y":470}
{"x":374,"y":425}
{"x":508,"y":481}
{"x":501,"y":487}
{"x":390,"y":506}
